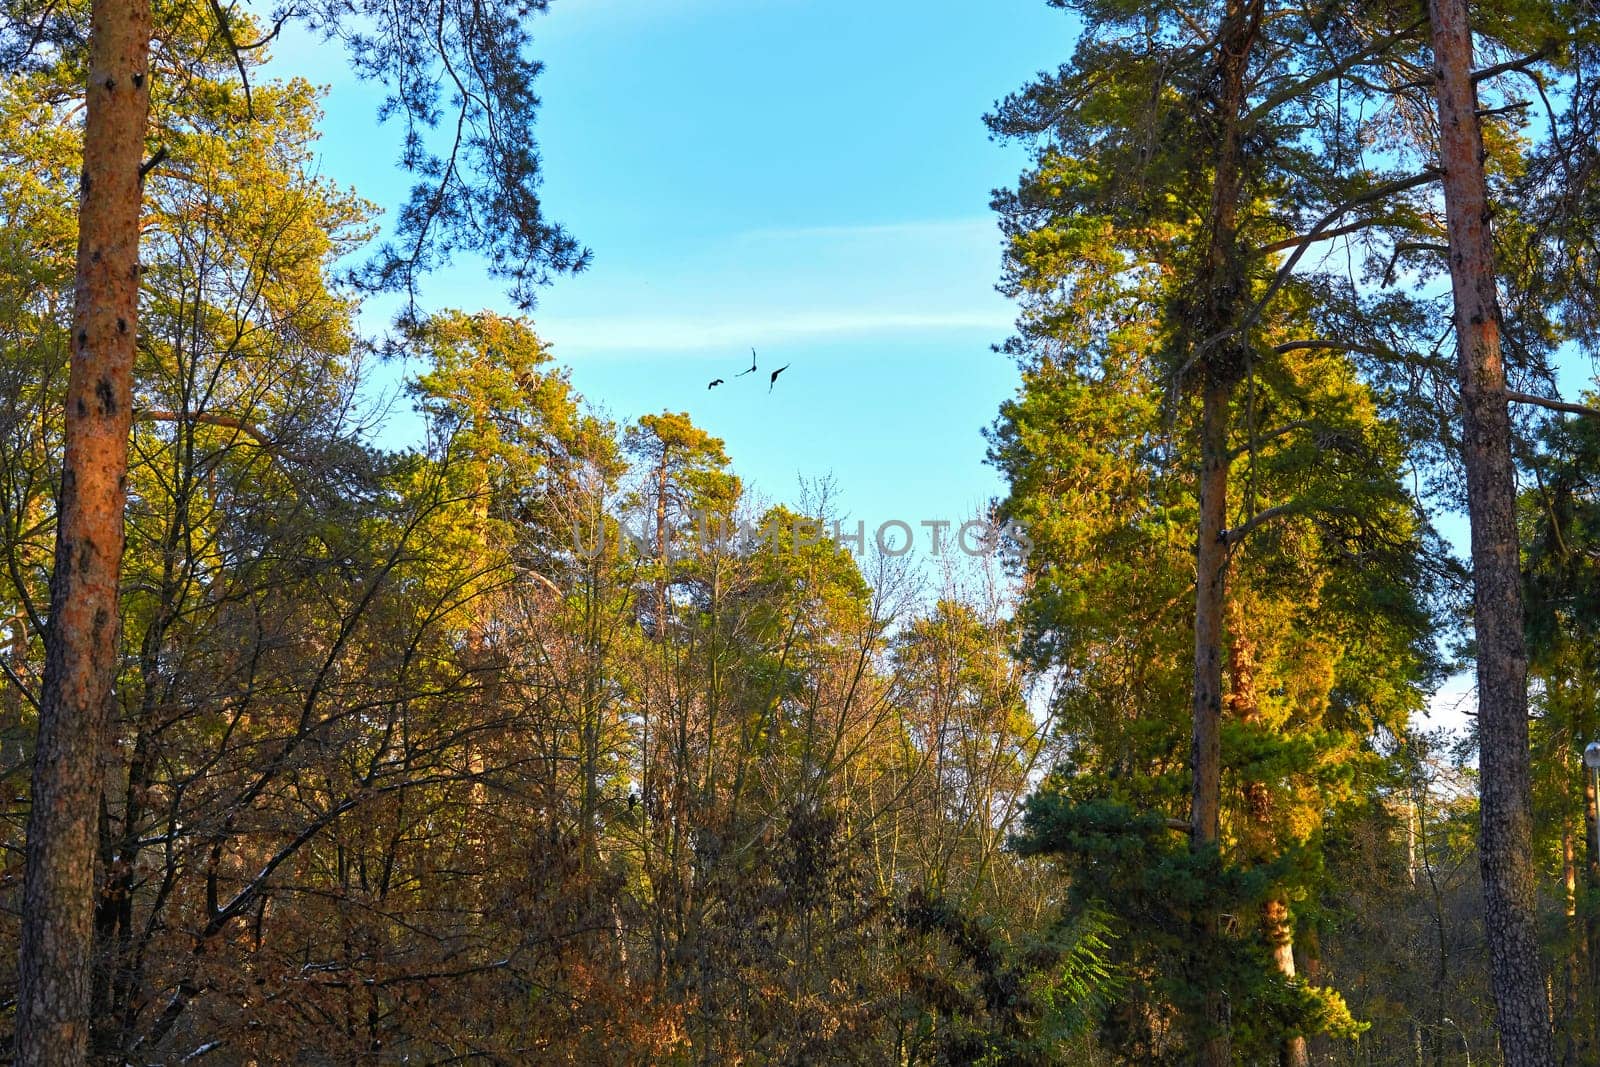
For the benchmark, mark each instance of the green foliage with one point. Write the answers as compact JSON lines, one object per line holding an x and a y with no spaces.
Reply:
{"x":1004,"y":1002}
{"x":1131,"y":872}
{"x":1127,"y":305}
{"x":418,"y":758}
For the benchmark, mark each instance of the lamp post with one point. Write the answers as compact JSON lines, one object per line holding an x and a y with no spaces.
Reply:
{"x":1462,"y":1033}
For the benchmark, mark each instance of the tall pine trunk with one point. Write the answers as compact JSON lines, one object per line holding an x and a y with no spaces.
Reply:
{"x":1211,"y":571}
{"x":1506,"y":834}
{"x":1220,"y":369}
{"x":1211,"y":576}
{"x":81,"y":646}
{"x":1277,"y":924}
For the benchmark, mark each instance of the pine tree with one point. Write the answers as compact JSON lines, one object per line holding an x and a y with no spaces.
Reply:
{"x":1167,"y":187}
{"x":492,"y":176}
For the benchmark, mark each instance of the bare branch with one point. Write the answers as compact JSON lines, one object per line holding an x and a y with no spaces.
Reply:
{"x":22,"y":686}
{"x":227,"y":422}
{"x":1510,"y":65}
{"x":1286,"y":271}
{"x":1410,"y":246}
{"x":1331,"y":72}
{"x":1342,"y":346}
{"x":153,"y":162}
{"x":1326,"y":235}
{"x":1489,"y":112}
{"x":238,"y":57}
{"x":1487,"y":72}
{"x":1553,"y":405}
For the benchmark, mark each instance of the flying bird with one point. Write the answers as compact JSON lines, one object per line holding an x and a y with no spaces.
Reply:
{"x":714,"y":383}
{"x":752,"y":369}
{"x":774,"y":379}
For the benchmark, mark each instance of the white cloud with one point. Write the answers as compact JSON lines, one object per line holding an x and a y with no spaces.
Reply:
{"x":783,"y":284}
{"x":683,"y":334}
{"x":973,"y":229}
{"x":1454,"y":704}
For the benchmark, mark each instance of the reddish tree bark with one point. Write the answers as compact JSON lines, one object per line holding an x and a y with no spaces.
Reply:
{"x":1506,"y":833}
{"x":1221,"y":368}
{"x":1211,"y":570}
{"x":1277,"y":924}
{"x":82,"y":642}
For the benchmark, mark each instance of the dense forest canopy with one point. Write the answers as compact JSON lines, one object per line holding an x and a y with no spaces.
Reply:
{"x":546,"y":737}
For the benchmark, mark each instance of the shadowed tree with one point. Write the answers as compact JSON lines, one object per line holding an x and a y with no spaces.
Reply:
{"x":476,"y":191}
{"x":1506,"y":822}
{"x":1184,"y":160}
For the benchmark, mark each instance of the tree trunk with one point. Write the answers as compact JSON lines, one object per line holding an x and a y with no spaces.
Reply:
{"x":1279,"y":932}
{"x":1211,"y":570}
{"x":81,"y":648}
{"x":1506,"y":838}
{"x":1221,"y":368}
{"x":1591,"y":921}
{"x":1308,"y":949}
{"x":1572,"y":1044}
{"x":1277,"y":926}
{"x":1211,"y":554}
{"x":663,"y":554}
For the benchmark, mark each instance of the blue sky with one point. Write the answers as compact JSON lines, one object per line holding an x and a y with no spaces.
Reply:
{"x":806,"y":177}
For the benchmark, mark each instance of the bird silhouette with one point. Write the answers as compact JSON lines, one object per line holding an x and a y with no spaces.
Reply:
{"x":716,"y":382}
{"x":774,"y":379}
{"x":752,"y":369}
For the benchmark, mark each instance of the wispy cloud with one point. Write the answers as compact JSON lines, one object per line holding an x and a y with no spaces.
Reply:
{"x":686,"y":334}
{"x":571,"y":15}
{"x":961,"y":229}
{"x":789,"y":284}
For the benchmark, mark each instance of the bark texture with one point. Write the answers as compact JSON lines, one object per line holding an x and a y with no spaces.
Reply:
{"x":1277,"y":922}
{"x":1221,"y":362}
{"x":1506,"y":835}
{"x":54,"y":968}
{"x":1211,"y":567}
{"x":1278,"y":928}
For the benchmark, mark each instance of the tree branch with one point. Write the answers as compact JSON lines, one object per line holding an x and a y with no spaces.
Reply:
{"x":1410,"y":246}
{"x":1388,"y":189}
{"x":238,"y":58}
{"x":1330,"y":73}
{"x":1258,"y":520}
{"x":1326,"y":235}
{"x":227,"y":422}
{"x":1553,"y":405}
{"x":1272,"y":434}
{"x":1490,"y":112}
{"x":22,"y":686}
{"x":1487,"y":72}
{"x":1509,"y":65}
{"x":153,"y":162}
{"x":1342,"y":346}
